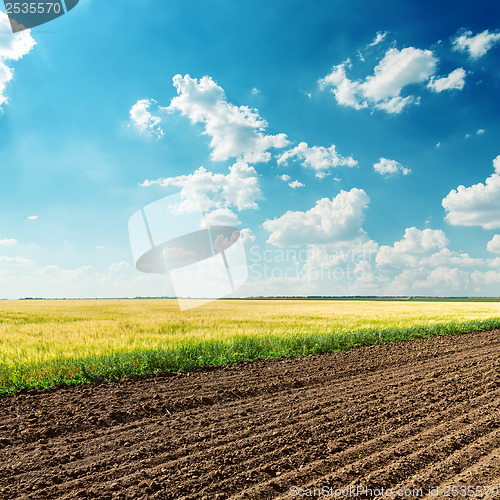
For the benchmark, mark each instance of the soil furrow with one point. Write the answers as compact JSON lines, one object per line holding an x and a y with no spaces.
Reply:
{"x":412,"y":414}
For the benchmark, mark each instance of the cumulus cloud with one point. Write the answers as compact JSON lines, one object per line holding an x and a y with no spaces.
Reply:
{"x":239,"y":188}
{"x":382,"y":90}
{"x":455,"y":80}
{"x":235,"y":131}
{"x":429,"y":268}
{"x":494,"y":244}
{"x":317,"y":157}
{"x":338,"y":219}
{"x":482,"y":278}
{"x":476,"y":45}
{"x":12,"y":48}
{"x":421,"y":263}
{"x":293,"y":184}
{"x":296,"y":184}
{"x":8,"y":242}
{"x":247,"y":235}
{"x":143,"y":119}
{"x":222,"y":217}
{"x":340,"y":255}
{"x":387,"y":167}
{"x":410,"y":250}
{"x":346,"y":91}
{"x":443,"y":280}
{"x":477,"y":205}
{"x":396,"y":70}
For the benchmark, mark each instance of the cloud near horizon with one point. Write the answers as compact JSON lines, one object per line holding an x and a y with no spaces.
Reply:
{"x":477,"y":205}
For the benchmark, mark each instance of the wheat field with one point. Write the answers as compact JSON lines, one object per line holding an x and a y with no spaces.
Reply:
{"x":48,"y":342}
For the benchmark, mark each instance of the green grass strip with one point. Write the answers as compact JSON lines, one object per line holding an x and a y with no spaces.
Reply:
{"x":191,"y":355}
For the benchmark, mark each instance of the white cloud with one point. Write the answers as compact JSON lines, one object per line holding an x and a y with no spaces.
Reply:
{"x":496,"y":164}
{"x":8,"y":242}
{"x":120,"y":279}
{"x":340,"y":254}
{"x":33,"y":217}
{"x":494,"y":244}
{"x":247,"y":235}
{"x":235,"y":131}
{"x":16,"y":260}
{"x":382,"y":90}
{"x":379,"y":38}
{"x":421,"y":263}
{"x":444,"y":281}
{"x":495,"y":263}
{"x":118,"y":268}
{"x":222,"y":217}
{"x":293,"y":184}
{"x":239,"y":188}
{"x":143,"y":119}
{"x":345,"y":90}
{"x":455,"y":80}
{"x":397,"y":70}
{"x":6,"y":75}
{"x":478,"y":205}
{"x":12,"y":48}
{"x":476,"y":45}
{"x":328,"y":221}
{"x":480,"y":131}
{"x":388,"y":167}
{"x":412,"y":248}
{"x":446,"y":257}
{"x":482,"y":278}
{"x":317,"y":157}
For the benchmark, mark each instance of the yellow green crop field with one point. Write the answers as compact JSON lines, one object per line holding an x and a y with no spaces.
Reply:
{"x":45,"y":343}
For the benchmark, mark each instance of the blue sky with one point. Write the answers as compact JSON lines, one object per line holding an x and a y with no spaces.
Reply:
{"x":333,"y":134}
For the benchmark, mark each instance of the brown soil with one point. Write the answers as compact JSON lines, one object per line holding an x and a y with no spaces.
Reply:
{"x":420,"y":414}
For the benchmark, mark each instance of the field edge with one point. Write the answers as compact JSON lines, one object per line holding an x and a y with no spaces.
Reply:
{"x":186,"y":357}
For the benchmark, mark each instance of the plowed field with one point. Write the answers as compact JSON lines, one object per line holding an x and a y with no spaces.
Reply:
{"x":411,"y":415}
